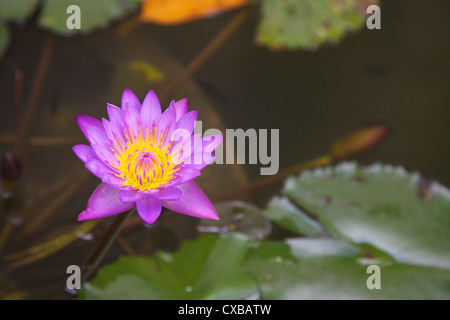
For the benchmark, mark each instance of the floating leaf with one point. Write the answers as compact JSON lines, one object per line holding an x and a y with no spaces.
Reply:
{"x":287,"y":215}
{"x":307,"y":24}
{"x":330,"y":269}
{"x":181,"y":11}
{"x":93,"y":14}
{"x":17,"y":10}
{"x":205,"y":268}
{"x":379,"y":205}
{"x":380,"y":216}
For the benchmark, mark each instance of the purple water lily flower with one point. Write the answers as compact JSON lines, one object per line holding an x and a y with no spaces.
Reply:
{"x":146,"y":158}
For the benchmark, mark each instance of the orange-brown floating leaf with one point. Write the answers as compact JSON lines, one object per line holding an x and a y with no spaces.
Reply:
{"x":359,"y":141}
{"x":171,"y":12}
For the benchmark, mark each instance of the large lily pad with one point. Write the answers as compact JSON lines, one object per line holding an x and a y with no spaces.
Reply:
{"x":378,"y":216}
{"x":383,"y":206}
{"x":206,"y":268}
{"x":331,"y":269}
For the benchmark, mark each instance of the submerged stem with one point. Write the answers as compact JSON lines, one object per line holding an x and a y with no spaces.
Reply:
{"x":207,"y":51}
{"x":24,"y":120}
{"x":105,"y":242}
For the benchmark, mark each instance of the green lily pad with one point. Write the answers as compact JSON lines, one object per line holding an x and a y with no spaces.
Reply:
{"x":283,"y":212}
{"x":383,"y":206}
{"x":331,"y":269}
{"x":13,"y":10}
{"x":208,"y":267}
{"x":93,"y":14}
{"x":17,"y":10}
{"x":387,"y":237}
{"x":307,"y":24}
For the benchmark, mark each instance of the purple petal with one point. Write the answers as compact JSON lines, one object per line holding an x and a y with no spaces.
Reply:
{"x":129,"y":196}
{"x":196,"y":143}
{"x":201,"y":150}
{"x":187,"y":121}
{"x":84,"y":152}
{"x":168,"y":194}
{"x":193,"y":202}
{"x":151,"y":110}
{"x":210,"y":144}
{"x":113,"y":181}
{"x":185,"y":174}
{"x":104,"y":153}
{"x":181,"y":108}
{"x":149,"y":209}
{"x":189,"y":146}
{"x":116,"y":117}
{"x":129,"y":100}
{"x":92,"y":128}
{"x":95,"y":132}
{"x":113,"y":136}
{"x":99,"y":168}
{"x":167,"y":123}
{"x":131,"y":119}
{"x":104,"y":202}
{"x":183,"y":132}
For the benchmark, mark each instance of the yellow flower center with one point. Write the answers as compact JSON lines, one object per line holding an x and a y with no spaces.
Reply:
{"x":146,"y":162}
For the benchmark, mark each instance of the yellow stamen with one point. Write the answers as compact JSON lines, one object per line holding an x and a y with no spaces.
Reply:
{"x":144,"y":164}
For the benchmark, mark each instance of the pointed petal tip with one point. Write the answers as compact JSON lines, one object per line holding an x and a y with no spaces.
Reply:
{"x":80,"y":119}
{"x":76,"y":147}
{"x":151,"y":94}
{"x":84,"y":152}
{"x":127,"y":92}
{"x":181,"y":107}
{"x":149,"y":209}
{"x":215,"y":217}
{"x":104,"y":202}
{"x":86,"y":215}
{"x":193,"y":202}
{"x":211,"y":213}
{"x":129,"y":99}
{"x":81,"y":217}
{"x":110,"y":105}
{"x":151,"y":109}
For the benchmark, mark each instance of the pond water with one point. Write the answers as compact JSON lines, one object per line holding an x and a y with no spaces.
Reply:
{"x":398,"y":76}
